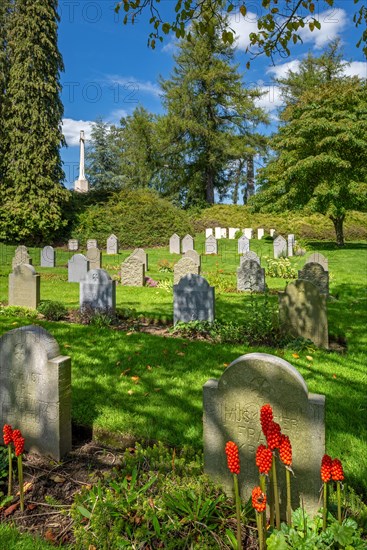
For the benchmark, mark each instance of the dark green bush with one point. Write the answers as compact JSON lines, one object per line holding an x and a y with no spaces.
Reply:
{"x":53,"y":311}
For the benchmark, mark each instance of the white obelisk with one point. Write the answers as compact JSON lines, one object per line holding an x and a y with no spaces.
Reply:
{"x":81,"y":185}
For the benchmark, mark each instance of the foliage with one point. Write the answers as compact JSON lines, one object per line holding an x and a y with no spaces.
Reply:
{"x":138,"y":218}
{"x":18,"y":311}
{"x":31,"y":187}
{"x":53,"y":311}
{"x":281,"y":268}
{"x":13,"y":540}
{"x":165,"y":266}
{"x":88,"y":315}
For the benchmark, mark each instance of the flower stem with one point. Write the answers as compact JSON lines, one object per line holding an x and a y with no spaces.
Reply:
{"x":276,"y":494}
{"x":238,"y":511}
{"x":20,"y":478}
{"x":289,"y":505}
{"x":10,"y":476}
{"x":259,"y":522}
{"x":339,"y":502}
{"x":324,"y":510}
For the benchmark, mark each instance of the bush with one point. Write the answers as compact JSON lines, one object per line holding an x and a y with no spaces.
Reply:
{"x":18,"y":311}
{"x":53,"y":311}
{"x":281,"y":268}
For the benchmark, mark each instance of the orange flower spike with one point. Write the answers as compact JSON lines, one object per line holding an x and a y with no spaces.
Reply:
{"x":19,"y":446}
{"x":259,"y":451}
{"x":337,"y":473}
{"x":285,"y":450}
{"x":16,"y":434}
{"x":325,"y":471}
{"x":258,"y":500}
{"x":264,"y":459}
{"x":233,"y":459}
{"x":266,"y":416}
{"x":273,"y":436}
{"x":7,"y":434}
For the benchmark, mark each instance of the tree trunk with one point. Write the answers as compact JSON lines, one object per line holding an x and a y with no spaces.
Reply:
{"x":209,"y":186}
{"x":338,"y":226}
{"x":250,"y":187}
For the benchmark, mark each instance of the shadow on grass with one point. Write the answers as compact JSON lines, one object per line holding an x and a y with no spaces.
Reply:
{"x":331,"y":245}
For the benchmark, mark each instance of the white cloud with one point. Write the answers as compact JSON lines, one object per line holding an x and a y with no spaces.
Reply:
{"x":131,"y":87}
{"x":332,"y":23}
{"x":171,"y":46}
{"x":271,"y":99}
{"x":281,"y":71}
{"x":242,"y":27}
{"x":71,"y":130}
{"x":115,"y":116}
{"x":357,"y":68}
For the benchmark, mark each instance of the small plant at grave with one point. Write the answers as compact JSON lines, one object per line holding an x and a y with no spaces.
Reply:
{"x":15,"y":436}
{"x":221,"y":282}
{"x":166,"y":285}
{"x":18,"y":311}
{"x":280,"y":268}
{"x":233,"y":462}
{"x":53,"y":311}
{"x":165,"y":266}
{"x":150,"y":282}
{"x":99,"y":318}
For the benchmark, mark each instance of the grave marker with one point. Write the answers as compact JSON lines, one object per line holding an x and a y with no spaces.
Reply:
{"x":291,"y":241}
{"x":174,"y":244}
{"x":280,"y":247}
{"x":318,"y":258}
{"x":73,"y":245}
{"x":78,"y":267}
{"x":316,"y":274}
{"x":92,"y":243}
{"x":142,"y":256}
{"x":184,"y":267}
{"x":21,"y":256}
{"x":194,"y":256}
{"x":243,"y":245}
{"x":260,"y":233}
{"x":232,"y":232}
{"x":24,"y":286}
{"x":250,"y":255}
{"x":251,"y":276}
{"x":48,"y":256}
{"x":211,"y":245}
{"x":112,"y":244}
{"x":208,"y":232}
{"x":223,"y":232}
{"x":193,"y":300}
{"x":187,"y":244}
{"x":94,"y":255}
{"x":132,"y":272}
{"x":248,"y":232}
{"x":98,"y":291}
{"x":218,"y":232}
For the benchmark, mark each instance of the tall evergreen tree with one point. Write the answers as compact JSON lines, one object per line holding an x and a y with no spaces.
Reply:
{"x":212,"y":115}
{"x":5,"y":8}
{"x":32,"y":191}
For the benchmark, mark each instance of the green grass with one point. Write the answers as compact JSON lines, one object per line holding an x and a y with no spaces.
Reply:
{"x":165,"y":402}
{"x":11,"y":539}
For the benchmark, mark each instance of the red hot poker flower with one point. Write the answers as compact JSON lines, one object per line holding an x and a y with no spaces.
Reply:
{"x":337,"y":473}
{"x":266,"y":416}
{"x":233,"y":459}
{"x":285,"y":450}
{"x":325,"y":471}
{"x":264,"y":459}
{"x":19,"y":445}
{"x":273,"y":435}
{"x":258,"y":500}
{"x":7,"y":434}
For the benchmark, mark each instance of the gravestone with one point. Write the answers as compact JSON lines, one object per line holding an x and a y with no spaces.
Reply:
{"x":35,"y":395}
{"x":223,"y":233}
{"x":316,"y":274}
{"x":211,"y":245}
{"x":24,"y":286}
{"x":21,"y":256}
{"x":250,"y":255}
{"x":141,"y":256}
{"x":132,"y":272}
{"x":184,"y":267}
{"x":187,"y":244}
{"x":48,"y":256}
{"x":260,"y":233}
{"x":92,"y":243}
{"x":272,"y":232}
{"x":73,"y":245}
{"x":232,"y":232}
{"x":194,"y":256}
{"x":232,"y":413}
{"x":218,"y":232}
{"x":98,"y":291}
{"x":318,"y":258}
{"x":280,"y":247}
{"x":251,"y":276}
{"x":193,"y":300}
{"x":248,"y":232}
{"x":94,"y":255}
{"x":112,"y":244}
{"x":78,"y":267}
{"x":208,"y":232}
{"x":291,"y":241}
{"x":243,"y":245}
{"x":302,"y":312}
{"x":174,"y":244}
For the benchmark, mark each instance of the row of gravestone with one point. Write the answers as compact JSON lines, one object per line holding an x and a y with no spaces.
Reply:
{"x":221,"y":232}
{"x":35,"y":397}
{"x":112,"y":244}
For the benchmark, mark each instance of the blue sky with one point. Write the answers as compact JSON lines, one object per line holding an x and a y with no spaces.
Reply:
{"x":109,"y":70}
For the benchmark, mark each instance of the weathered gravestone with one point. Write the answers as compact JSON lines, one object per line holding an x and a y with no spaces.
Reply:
{"x":184,"y":267}
{"x":250,"y":255}
{"x":211,"y":245}
{"x":73,"y":245}
{"x":316,"y":274}
{"x":318,"y":258}
{"x":248,"y":232}
{"x":48,"y":255}
{"x":218,"y":232}
{"x":132,"y":272}
{"x":291,"y":242}
{"x":187,"y":244}
{"x":78,"y":267}
{"x":260,"y":233}
{"x":223,"y":232}
{"x":232,"y":232}
{"x":243,"y":245}
{"x":174,"y":244}
{"x":208,"y":232}
{"x":142,"y":256}
{"x":24,"y":286}
{"x":280,"y":247}
{"x":98,"y":291}
{"x":193,"y":300}
{"x":92,"y":243}
{"x":232,"y":412}
{"x":35,"y":395}
{"x":21,"y":256}
{"x":194,"y":256}
{"x":251,"y":276}
{"x":302,"y":312}
{"x":112,"y":245}
{"x":94,"y":256}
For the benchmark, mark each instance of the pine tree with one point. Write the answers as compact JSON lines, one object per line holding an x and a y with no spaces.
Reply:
{"x":5,"y":8}
{"x":32,"y":190}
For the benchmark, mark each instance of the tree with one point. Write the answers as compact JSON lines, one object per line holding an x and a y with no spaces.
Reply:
{"x":31,"y":189}
{"x":212,"y":116}
{"x":279,"y":24}
{"x":5,"y":8}
{"x":321,"y":154}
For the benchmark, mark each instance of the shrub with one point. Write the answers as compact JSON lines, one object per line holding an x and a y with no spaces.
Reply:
{"x":281,"y":268}
{"x":53,"y":311}
{"x":165,"y":266}
{"x":18,"y":311}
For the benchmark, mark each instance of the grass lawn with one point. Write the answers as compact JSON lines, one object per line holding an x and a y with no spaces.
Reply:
{"x":150,"y":387}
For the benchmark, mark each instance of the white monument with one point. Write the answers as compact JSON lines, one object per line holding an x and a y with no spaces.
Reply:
{"x":81,"y":185}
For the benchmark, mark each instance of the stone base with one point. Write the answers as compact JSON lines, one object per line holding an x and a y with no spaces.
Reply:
{"x":81,"y":186}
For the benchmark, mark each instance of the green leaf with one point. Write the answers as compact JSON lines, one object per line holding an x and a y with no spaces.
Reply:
{"x":277,"y":541}
{"x":343,"y":534}
{"x":84,"y":512}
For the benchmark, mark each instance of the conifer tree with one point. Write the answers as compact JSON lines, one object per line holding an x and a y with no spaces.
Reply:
{"x":4,"y":71}
{"x":31,"y":189}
